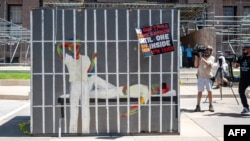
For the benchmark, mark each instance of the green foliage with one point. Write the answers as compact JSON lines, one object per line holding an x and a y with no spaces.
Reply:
{"x":24,"y":127}
{"x":15,"y":75}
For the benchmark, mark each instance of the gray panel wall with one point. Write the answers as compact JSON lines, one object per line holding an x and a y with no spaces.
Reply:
{"x":111,"y":33}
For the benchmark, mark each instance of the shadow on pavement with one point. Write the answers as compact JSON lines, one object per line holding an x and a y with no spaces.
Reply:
{"x":11,"y":129}
{"x":189,"y":110}
{"x":229,"y":115}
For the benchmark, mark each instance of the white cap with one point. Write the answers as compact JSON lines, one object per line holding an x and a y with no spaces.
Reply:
{"x":219,"y":53}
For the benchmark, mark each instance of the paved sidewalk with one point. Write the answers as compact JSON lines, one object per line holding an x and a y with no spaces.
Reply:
{"x":194,"y":126}
{"x":15,"y":68}
{"x":15,"y":92}
{"x":23,"y":92}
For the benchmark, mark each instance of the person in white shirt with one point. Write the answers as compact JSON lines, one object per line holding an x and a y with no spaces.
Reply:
{"x":204,"y":63}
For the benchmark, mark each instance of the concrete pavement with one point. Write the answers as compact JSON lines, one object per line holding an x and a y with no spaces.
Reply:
{"x":200,"y":126}
{"x":15,"y":92}
{"x":194,"y":126}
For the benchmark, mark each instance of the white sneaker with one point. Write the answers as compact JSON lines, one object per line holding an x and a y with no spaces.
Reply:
{"x":230,"y":84}
{"x":245,"y":111}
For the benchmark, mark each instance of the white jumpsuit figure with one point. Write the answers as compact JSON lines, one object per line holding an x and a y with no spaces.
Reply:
{"x":79,"y":91}
{"x":83,"y":87}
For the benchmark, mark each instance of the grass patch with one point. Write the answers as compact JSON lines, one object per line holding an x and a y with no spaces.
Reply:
{"x":15,"y":75}
{"x":24,"y":127}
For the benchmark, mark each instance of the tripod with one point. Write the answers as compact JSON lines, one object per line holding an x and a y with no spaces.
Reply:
{"x":220,"y":72}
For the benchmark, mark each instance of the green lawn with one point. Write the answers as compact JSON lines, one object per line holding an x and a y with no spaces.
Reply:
{"x":26,"y":74}
{"x":15,"y":75}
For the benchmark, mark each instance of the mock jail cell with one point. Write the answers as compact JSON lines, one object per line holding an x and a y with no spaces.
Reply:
{"x":90,"y":75}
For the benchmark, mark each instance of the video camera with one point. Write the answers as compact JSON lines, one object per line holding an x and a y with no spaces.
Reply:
{"x":220,"y":62}
{"x":199,"y":49}
{"x":230,"y":57}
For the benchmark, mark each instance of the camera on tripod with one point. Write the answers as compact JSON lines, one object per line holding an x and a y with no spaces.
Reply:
{"x":220,"y":62}
{"x":220,"y":58}
{"x":199,"y":49}
{"x":230,"y":57}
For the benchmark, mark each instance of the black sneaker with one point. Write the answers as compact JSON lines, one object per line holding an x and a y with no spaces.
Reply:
{"x":216,"y":87}
{"x":211,"y":108}
{"x":197,"y":109}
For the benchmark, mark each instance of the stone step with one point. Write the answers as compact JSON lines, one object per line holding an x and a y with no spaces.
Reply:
{"x":14,"y":82}
{"x":188,"y":76}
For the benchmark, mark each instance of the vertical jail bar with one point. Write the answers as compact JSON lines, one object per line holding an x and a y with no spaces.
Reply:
{"x":128,"y":96}
{"x":85,"y":42}
{"x":117,"y":68}
{"x":138,"y":74}
{"x":74,"y":31}
{"x":31,"y":57}
{"x":64,"y":73}
{"x":74,"y":44}
{"x":74,"y":48}
{"x":178,"y":83}
{"x":85,"y":51}
{"x":161,"y":105}
{"x":85,"y":31}
{"x":95,"y":48}
{"x":172,"y":73}
{"x":53,"y":69}
{"x":43,"y":82}
{"x":149,"y":83}
{"x":106,"y":67}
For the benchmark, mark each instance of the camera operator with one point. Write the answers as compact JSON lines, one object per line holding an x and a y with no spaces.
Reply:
{"x":221,"y":66}
{"x":204,"y":62}
{"x":244,"y":63}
